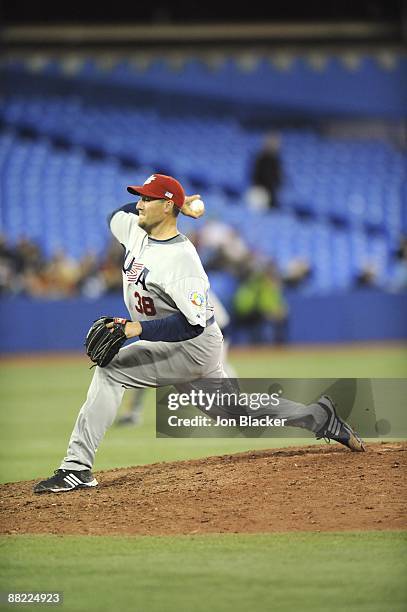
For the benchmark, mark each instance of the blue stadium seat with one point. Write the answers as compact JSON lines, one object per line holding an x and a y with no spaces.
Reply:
{"x":343,"y":203}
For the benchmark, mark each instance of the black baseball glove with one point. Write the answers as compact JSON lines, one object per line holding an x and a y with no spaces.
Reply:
{"x":101,"y":343}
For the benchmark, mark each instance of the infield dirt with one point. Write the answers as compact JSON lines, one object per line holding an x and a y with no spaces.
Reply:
{"x":313,"y":488}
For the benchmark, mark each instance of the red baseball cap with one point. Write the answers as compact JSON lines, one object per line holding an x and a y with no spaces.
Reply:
{"x":160,"y":186}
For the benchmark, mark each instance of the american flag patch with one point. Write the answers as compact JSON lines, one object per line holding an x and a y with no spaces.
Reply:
{"x":134,"y":272}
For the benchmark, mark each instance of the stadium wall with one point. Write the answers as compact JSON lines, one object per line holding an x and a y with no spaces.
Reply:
{"x":61,"y":325}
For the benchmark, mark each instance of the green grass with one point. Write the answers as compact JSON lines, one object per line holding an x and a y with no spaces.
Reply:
{"x":339,"y":362}
{"x":225,"y":573}
{"x":40,"y":401}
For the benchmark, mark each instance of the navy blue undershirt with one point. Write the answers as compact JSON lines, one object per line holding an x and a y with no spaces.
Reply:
{"x":127,"y":208}
{"x":174,"y":328}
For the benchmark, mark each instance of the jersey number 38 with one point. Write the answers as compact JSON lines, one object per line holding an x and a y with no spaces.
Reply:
{"x":144,"y":305}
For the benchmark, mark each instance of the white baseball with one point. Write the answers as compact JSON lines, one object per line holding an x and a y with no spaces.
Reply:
{"x":197,"y":206}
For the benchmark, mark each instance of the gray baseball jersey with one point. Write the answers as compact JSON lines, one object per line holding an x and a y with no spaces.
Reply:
{"x":161,"y":277}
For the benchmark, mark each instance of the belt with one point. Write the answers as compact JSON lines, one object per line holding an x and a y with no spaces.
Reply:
{"x":210,"y":321}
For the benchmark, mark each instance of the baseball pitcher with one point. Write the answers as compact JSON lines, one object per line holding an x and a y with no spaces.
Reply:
{"x":176,"y":337}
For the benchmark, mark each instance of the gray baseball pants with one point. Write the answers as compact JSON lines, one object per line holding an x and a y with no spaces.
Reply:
{"x":151,"y":364}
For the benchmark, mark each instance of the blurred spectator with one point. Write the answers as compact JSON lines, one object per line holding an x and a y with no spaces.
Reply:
{"x":99,"y":277}
{"x":221,"y":247}
{"x":18,"y":264}
{"x":23,"y":269}
{"x":111,"y":268}
{"x":367,"y":277}
{"x":61,"y":276}
{"x":28,"y":256}
{"x":266,"y":176}
{"x":90,"y":284}
{"x":259,"y":303}
{"x":7,"y":266}
{"x":398,"y":282}
{"x":297,"y":272}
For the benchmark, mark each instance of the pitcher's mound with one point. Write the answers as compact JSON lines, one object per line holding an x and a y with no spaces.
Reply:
{"x":314,"y":488}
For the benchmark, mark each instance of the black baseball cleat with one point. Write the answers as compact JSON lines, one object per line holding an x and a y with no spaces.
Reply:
{"x":336,"y":429}
{"x":66,"y":480}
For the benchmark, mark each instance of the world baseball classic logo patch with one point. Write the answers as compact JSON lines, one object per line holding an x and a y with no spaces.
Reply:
{"x":198,"y":299}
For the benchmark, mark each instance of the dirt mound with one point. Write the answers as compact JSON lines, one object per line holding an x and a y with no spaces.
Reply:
{"x":316,"y":488}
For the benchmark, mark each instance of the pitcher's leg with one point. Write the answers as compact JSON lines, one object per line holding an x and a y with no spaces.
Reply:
{"x":133,"y":367}
{"x":307,"y":416}
{"x":320,"y":417}
{"x":312,"y":417}
{"x":95,"y":417}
